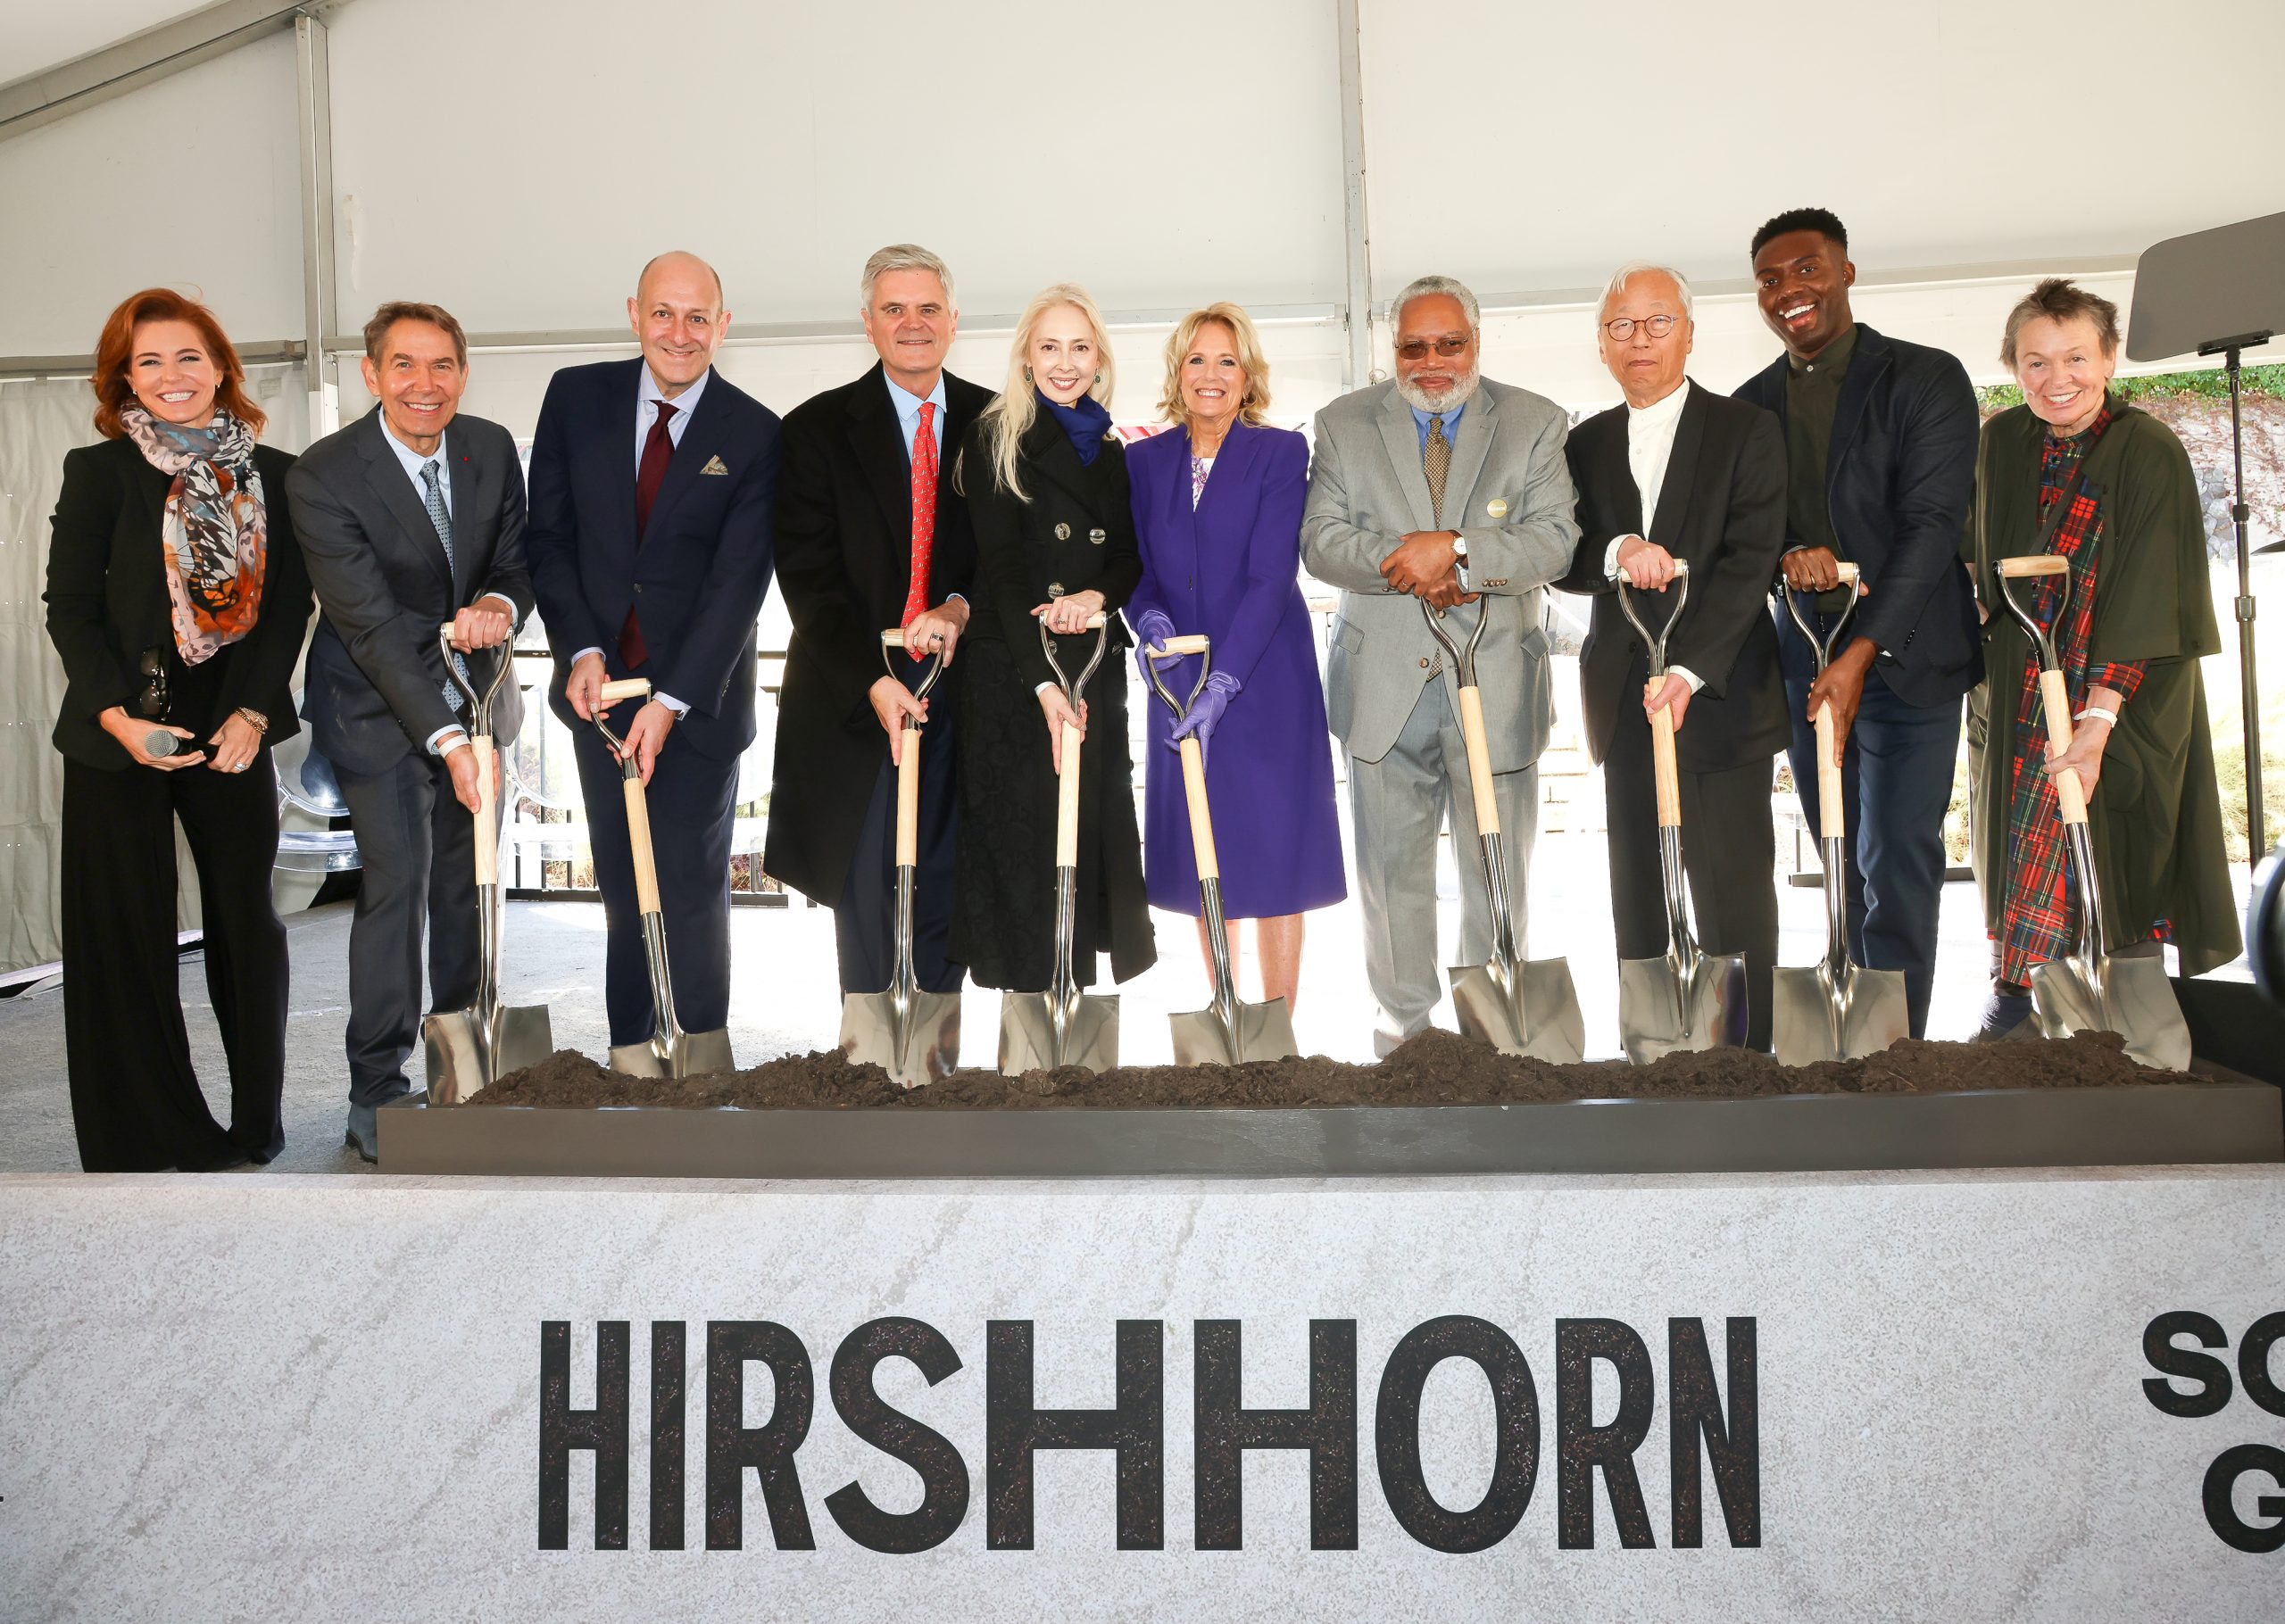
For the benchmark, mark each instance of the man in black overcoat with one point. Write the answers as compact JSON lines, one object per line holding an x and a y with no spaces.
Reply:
{"x":872,"y":534}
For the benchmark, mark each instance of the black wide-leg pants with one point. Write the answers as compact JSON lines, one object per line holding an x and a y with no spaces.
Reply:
{"x":136,"y":1102}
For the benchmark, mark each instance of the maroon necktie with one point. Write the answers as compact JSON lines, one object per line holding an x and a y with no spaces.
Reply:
{"x":650,"y":474}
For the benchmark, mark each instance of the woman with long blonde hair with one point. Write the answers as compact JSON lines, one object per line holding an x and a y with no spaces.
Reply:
{"x":1045,"y":478}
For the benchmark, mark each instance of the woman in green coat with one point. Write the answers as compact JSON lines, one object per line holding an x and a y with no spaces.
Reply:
{"x":2077,"y":472}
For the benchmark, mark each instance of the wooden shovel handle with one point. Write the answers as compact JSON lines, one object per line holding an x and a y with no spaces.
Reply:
{"x":908,"y":800}
{"x":1201,"y":822}
{"x":487,"y":812}
{"x":1663,"y":769}
{"x":1190,"y":643}
{"x":638,"y":840}
{"x":1832,"y":822}
{"x":625,"y":688}
{"x":2037,"y":564}
{"x":2055,"y":699}
{"x":1479,"y":762}
{"x":1067,"y":802}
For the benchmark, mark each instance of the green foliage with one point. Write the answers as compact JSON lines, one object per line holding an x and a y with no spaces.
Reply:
{"x":2254,"y":383}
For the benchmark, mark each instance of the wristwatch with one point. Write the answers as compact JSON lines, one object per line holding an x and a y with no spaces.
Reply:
{"x":1459,"y":548}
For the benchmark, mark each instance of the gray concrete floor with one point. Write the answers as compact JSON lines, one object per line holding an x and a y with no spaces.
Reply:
{"x":785,"y":997}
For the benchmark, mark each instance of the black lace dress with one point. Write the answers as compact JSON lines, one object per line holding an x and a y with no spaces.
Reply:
{"x":1073,"y":531}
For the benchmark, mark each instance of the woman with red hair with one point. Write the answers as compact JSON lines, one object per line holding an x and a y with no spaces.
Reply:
{"x":177,"y":600}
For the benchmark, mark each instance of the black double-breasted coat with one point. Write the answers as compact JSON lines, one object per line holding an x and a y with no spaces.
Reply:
{"x":1072,"y":530}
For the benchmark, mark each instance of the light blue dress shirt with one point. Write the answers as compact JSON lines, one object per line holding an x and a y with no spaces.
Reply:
{"x":907,"y":414}
{"x":1450,"y":419}
{"x":414,"y":463}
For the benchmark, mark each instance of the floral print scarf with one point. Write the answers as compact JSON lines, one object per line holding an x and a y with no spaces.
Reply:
{"x":216,"y":532}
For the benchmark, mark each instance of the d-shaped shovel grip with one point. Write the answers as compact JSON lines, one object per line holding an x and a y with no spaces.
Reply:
{"x":638,"y":810}
{"x":480,"y":744}
{"x":2053,"y":692}
{"x":908,"y":766}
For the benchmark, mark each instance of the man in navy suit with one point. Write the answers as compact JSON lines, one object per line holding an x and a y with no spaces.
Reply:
{"x":1879,"y":446}
{"x":650,"y":548}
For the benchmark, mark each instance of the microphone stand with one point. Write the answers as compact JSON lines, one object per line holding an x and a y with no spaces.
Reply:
{"x":2242,"y":514}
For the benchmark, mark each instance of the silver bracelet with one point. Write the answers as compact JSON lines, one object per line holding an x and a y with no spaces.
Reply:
{"x":2107,"y":715}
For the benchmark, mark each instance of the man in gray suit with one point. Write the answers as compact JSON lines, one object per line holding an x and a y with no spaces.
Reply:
{"x":1441,"y":491}
{"x":409,"y":518}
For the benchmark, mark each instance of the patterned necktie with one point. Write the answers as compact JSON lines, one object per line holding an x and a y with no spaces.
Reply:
{"x":1436,"y":462}
{"x":432,"y":489}
{"x":924,"y":511}
{"x":650,"y":474}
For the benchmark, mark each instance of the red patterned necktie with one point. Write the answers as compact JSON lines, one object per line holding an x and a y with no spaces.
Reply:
{"x":924,"y":511}
{"x":650,"y":474}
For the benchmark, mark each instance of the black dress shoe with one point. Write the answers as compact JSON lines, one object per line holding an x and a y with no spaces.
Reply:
{"x":363,"y":1133}
{"x":234,"y":1156}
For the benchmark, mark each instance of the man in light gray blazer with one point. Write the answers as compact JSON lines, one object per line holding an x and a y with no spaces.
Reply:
{"x":1445,"y":492}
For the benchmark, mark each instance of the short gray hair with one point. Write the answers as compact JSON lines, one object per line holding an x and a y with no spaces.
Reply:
{"x":1633,"y":268}
{"x":903,"y":256}
{"x":1426,"y":287}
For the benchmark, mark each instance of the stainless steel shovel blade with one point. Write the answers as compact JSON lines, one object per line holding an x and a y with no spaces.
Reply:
{"x":2130,"y":996}
{"x":1529,"y":1009}
{"x":1255,"y":1031}
{"x":915,"y":1040}
{"x":680,"y":1054}
{"x":1821,"y":1013}
{"x":1672,"y":1005}
{"x":1039,"y":1032}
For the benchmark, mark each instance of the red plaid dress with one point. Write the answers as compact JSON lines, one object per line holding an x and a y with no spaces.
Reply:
{"x":2042,"y":895}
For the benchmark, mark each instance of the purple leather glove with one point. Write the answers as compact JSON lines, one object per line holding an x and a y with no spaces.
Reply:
{"x":1151,"y":632}
{"x":1206,"y":711}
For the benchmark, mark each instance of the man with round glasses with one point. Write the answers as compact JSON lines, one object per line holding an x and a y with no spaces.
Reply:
{"x":1439,"y":488}
{"x":1677,"y":474}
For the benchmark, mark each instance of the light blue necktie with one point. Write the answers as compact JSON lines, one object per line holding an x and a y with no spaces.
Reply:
{"x":433,"y":494}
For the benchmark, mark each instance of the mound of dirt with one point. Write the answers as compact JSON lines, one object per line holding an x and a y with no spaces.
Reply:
{"x":1433,"y":1068}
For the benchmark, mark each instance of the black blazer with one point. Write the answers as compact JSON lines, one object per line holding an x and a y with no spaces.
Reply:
{"x":696,"y":576}
{"x":844,"y":516}
{"x":1898,"y":479}
{"x":107,"y":600}
{"x":375,"y":691}
{"x":1723,"y":508}
{"x":1075,"y":532}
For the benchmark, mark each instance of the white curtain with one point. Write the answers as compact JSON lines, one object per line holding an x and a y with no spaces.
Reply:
{"x":40,"y":420}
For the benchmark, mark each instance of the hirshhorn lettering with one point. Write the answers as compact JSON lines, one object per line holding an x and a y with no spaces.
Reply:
{"x":1712,"y":1428}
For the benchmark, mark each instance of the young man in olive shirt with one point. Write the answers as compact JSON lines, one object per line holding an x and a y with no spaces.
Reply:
{"x":1880,"y":441}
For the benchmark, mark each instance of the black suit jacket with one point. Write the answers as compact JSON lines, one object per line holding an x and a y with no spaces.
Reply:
{"x":1722,"y":508}
{"x":696,"y":577}
{"x":107,"y":600}
{"x":844,"y":562}
{"x":375,"y":693}
{"x":1899,"y":475}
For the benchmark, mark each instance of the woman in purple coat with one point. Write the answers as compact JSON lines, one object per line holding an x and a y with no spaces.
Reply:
{"x":1218,"y":511}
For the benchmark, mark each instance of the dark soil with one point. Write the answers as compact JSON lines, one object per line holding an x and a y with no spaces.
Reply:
{"x":1434,"y":1068}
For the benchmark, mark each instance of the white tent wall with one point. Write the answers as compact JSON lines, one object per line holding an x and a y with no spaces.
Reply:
{"x":192,"y":181}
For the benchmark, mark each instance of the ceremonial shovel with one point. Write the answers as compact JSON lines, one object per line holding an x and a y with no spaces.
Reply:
{"x":1834,"y":1010}
{"x":1228,"y":1032}
{"x":1518,"y":1007}
{"x":468,"y":1049}
{"x":2089,"y":991}
{"x":1687,"y":999}
{"x":670,"y":1051}
{"x":912,"y":1035}
{"x":1062,"y":1026}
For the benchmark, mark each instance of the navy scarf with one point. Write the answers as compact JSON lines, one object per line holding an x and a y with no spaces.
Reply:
{"x":1085,"y":423}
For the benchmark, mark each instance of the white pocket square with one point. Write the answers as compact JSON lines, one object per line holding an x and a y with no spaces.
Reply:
{"x":714,"y":466}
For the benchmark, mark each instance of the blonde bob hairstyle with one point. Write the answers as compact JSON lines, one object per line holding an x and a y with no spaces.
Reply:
{"x":1254,"y":408}
{"x":1007,"y":420}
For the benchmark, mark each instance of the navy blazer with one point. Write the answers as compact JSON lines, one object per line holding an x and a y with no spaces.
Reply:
{"x":374,"y":692}
{"x":1899,"y":478}
{"x":698,"y":574}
